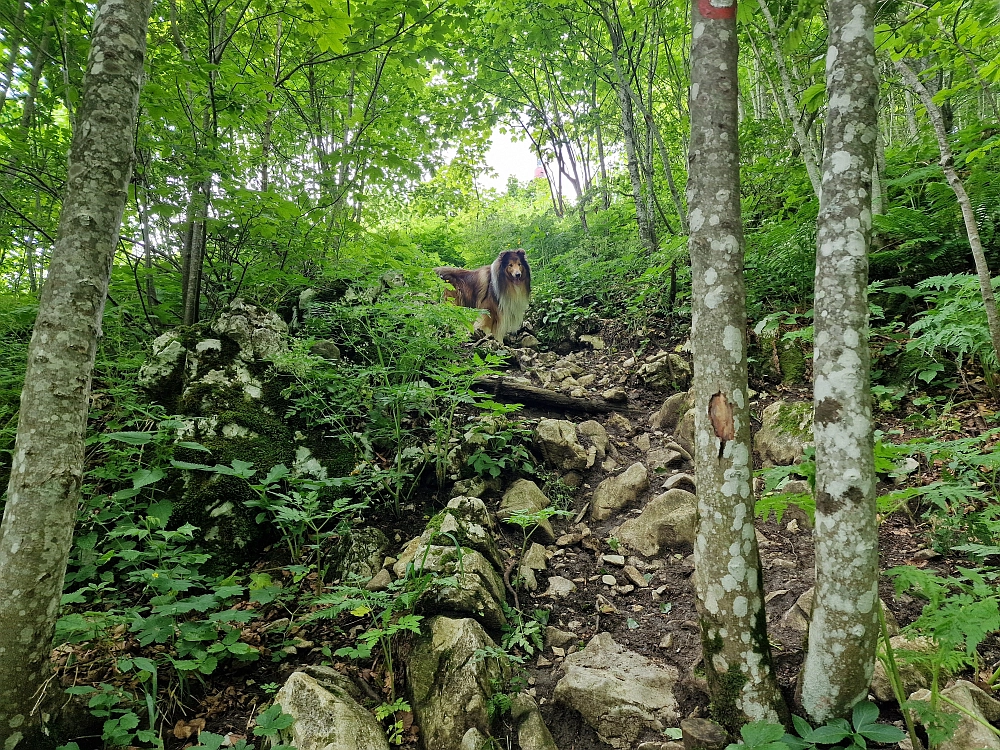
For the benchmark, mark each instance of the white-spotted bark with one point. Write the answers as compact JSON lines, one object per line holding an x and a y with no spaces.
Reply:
{"x":727,"y":576}
{"x":844,"y":627}
{"x":47,"y":468}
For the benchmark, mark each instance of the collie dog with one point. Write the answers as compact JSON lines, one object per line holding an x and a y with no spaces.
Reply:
{"x":501,"y":290}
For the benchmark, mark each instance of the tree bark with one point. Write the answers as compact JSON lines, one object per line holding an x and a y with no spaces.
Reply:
{"x":844,"y":627}
{"x":727,"y":578}
{"x":47,"y":469}
{"x":968,"y":215}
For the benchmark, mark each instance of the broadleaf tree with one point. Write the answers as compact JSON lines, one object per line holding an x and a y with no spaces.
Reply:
{"x":844,"y":626}
{"x":728,"y":576}
{"x":48,"y":461}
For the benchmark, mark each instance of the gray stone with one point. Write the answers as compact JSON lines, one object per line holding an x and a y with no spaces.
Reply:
{"x":525,"y":498}
{"x":667,"y":372}
{"x":167,"y":357}
{"x":259,"y":332}
{"x":593,"y":433}
{"x":685,"y":432}
{"x":619,"y":693}
{"x":558,"y":443}
{"x":559,"y":587}
{"x":667,"y":521}
{"x":326,"y":718}
{"x":614,"y":493}
{"x":535,"y":557}
{"x":914,"y":674}
{"x":449,"y":685}
{"x":670,"y":413}
{"x":477,"y":590}
{"x":680,"y":481}
{"x":362,"y":553}
{"x":467,"y":520}
{"x":596,"y":342}
{"x":326,"y":350}
{"x":532,"y":734}
{"x":529,"y":342}
{"x":559,"y":638}
{"x":619,"y":425}
{"x":797,"y":617}
{"x":970,"y":733}
{"x":615,"y":395}
{"x":473,"y":739}
{"x":661,"y":459}
{"x":785,"y":432}
{"x":380,"y":581}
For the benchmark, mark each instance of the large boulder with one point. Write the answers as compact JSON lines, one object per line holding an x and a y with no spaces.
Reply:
{"x":667,"y":521}
{"x":463,"y":582}
{"x":560,"y":447}
{"x":450,"y":685}
{"x":785,"y":432}
{"x":977,"y":710}
{"x":619,"y":693}
{"x":220,"y":378}
{"x":614,"y":493}
{"x":327,"y":716}
{"x":465,"y":520}
{"x":915,"y":673}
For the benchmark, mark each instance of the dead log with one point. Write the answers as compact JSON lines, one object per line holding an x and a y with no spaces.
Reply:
{"x":509,"y":391}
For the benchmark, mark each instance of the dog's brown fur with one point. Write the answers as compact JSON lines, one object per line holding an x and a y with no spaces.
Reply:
{"x":500,"y":289}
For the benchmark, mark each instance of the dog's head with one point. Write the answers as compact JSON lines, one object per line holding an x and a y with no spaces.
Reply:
{"x":514,"y":265}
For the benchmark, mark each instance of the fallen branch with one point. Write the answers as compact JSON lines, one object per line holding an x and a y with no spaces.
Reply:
{"x":510,"y":391}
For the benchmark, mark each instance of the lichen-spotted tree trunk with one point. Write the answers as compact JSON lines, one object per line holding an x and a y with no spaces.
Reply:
{"x":727,"y":576}
{"x":842,"y":634}
{"x":47,"y":469}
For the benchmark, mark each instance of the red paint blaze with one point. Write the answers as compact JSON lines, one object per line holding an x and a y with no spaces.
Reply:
{"x":707,"y":10}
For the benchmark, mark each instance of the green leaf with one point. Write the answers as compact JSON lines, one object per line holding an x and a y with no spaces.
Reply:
{"x":882,"y":733}
{"x":865,"y":712}
{"x":193,"y":446}
{"x":145,"y":477}
{"x":131,"y":438}
{"x":827,"y":735}
{"x":758,"y":733}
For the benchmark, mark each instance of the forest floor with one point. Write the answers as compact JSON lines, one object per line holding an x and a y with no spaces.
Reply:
{"x":658,"y":621}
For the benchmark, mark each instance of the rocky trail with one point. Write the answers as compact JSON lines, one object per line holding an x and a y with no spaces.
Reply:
{"x":582,"y":572}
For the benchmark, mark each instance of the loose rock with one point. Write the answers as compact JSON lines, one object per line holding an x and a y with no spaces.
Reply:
{"x":617,"y":692}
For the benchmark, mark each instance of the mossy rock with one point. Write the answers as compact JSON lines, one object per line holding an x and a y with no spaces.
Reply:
{"x":792,"y":361}
{"x":786,"y":430}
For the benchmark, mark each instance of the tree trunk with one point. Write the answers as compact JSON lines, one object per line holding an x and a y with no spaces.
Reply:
{"x":727,"y":578}
{"x":647,"y":234}
{"x":808,"y":152}
{"x":47,"y":469}
{"x":968,"y":215}
{"x":844,"y":627}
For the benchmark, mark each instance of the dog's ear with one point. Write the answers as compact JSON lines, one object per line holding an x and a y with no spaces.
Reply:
{"x":520,"y":251}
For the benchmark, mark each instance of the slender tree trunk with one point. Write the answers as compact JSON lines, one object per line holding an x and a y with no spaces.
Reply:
{"x":47,"y":469}
{"x":844,"y":627}
{"x":647,"y":233}
{"x":605,"y":193}
{"x":808,"y":151}
{"x":727,"y":578}
{"x":968,"y":215}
